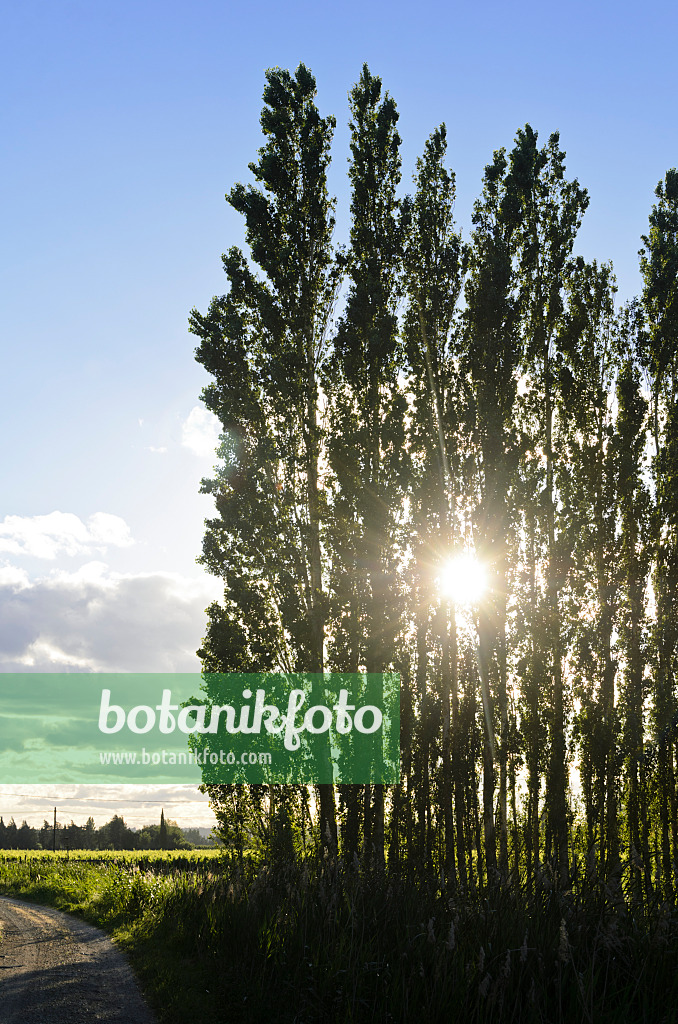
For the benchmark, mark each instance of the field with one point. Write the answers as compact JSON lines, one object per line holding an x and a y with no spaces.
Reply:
{"x":320,"y":941}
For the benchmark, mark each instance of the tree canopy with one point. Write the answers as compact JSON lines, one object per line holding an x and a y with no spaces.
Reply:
{"x":414,"y":403}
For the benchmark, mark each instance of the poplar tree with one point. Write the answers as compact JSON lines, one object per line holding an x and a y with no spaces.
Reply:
{"x":162,"y":834}
{"x":264,"y":343}
{"x":435,"y":260}
{"x":550,"y":210}
{"x":367,"y":448}
{"x":589,"y":494}
{"x":492,"y":355}
{"x":659,"y":267}
{"x":635,"y":553}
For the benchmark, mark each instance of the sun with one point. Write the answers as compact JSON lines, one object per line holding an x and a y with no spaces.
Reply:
{"x":462,"y":579}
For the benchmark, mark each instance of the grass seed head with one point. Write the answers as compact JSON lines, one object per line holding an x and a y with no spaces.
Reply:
{"x":523,"y":950}
{"x":563,"y":944}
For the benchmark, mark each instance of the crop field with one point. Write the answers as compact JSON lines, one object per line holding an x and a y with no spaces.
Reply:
{"x":157,"y":860}
{"x":323,"y":941}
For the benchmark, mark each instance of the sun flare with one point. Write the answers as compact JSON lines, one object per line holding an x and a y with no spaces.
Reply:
{"x":463,"y":579}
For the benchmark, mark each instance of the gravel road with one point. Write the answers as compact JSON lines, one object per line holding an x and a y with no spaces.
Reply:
{"x":55,"y":969}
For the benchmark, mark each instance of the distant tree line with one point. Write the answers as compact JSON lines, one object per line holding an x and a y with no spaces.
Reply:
{"x":480,"y":394}
{"x":114,"y":835}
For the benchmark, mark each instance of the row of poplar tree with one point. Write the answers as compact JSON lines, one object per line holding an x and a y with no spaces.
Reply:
{"x":413,"y":395}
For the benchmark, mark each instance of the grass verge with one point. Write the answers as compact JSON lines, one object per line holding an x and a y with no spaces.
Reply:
{"x":322,"y":942}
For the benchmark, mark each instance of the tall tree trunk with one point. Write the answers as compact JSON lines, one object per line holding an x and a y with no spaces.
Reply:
{"x":446,"y":787}
{"x":557,"y":802}
{"x":484,"y":656}
{"x":328,"y":815}
{"x":423,"y":786}
{"x":456,"y":751}
{"x":503,"y":718}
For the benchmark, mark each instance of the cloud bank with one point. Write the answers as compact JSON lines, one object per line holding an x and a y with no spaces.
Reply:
{"x":91,"y":618}
{"x":98,"y":620}
{"x":62,"y":533}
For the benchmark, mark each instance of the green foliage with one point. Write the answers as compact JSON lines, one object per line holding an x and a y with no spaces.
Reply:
{"x":366,"y":449}
{"x":264,"y":343}
{"x":485,"y":396}
{"x":659,"y":267}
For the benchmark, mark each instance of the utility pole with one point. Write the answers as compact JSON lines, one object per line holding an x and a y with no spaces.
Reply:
{"x":54,"y":833}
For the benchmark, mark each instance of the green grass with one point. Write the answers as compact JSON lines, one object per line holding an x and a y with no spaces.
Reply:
{"x":321,"y":942}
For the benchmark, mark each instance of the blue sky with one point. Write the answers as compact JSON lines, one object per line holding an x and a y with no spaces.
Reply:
{"x":123,"y":125}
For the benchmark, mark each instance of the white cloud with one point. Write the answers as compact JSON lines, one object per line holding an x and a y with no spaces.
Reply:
{"x":156,"y":451}
{"x":11,"y":576}
{"x":62,"y":533}
{"x":97,"y":620}
{"x":200,"y":432}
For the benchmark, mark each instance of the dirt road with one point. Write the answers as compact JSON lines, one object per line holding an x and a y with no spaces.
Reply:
{"x":55,"y":969}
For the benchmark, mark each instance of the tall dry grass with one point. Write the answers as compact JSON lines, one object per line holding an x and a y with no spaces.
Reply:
{"x":325,"y":941}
